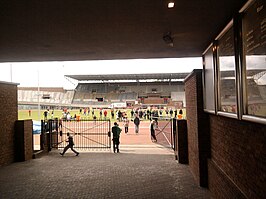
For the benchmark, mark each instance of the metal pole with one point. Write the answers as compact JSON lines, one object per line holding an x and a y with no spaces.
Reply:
{"x":11,"y":73}
{"x":39,"y":111}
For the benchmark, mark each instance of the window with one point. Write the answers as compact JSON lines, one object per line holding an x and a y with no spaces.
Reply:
{"x":227,"y":100}
{"x":208,"y":65}
{"x":154,"y":90}
{"x":99,"y":99}
{"x":254,"y":51}
{"x":46,"y":96}
{"x":235,"y":84}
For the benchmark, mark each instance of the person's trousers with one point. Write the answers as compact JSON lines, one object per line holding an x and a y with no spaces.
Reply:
{"x":116,"y":144}
{"x":136,"y":128}
{"x":71,"y":147}
{"x":153,"y":135}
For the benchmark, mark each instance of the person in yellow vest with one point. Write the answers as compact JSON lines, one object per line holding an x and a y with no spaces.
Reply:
{"x":180,"y":114}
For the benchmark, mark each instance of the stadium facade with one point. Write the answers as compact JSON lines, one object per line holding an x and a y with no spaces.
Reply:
{"x":105,"y":91}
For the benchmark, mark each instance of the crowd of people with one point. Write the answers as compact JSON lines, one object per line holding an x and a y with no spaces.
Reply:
{"x":120,"y":116}
{"x":114,"y":114}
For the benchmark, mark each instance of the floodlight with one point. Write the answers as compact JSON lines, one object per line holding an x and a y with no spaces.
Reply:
{"x":171,"y":4}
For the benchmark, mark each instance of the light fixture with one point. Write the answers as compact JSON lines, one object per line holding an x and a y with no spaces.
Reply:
{"x":171,"y":4}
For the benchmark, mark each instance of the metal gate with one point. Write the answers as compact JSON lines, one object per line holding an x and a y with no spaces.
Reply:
{"x":86,"y":133}
{"x":164,"y":131}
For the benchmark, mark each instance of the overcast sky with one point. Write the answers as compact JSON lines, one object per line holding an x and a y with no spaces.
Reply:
{"x":51,"y":74}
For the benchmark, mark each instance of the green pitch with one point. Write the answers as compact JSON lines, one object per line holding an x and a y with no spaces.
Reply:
{"x":36,"y":115}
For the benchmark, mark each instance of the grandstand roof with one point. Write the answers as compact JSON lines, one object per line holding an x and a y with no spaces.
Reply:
{"x":48,"y":89}
{"x":147,"y":76}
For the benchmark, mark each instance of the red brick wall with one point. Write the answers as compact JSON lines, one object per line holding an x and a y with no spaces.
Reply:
{"x":197,"y":126}
{"x":236,"y":150}
{"x":153,"y":100}
{"x":238,"y":156}
{"x":8,"y":115}
{"x":28,"y":139}
{"x":220,"y":185}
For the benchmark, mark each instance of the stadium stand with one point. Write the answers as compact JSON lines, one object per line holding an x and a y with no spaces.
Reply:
{"x":147,"y":89}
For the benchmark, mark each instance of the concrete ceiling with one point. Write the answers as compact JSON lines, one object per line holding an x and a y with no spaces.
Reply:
{"x":57,"y":30}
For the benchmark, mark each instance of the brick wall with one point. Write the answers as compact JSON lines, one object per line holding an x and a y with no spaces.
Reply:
{"x":8,"y":115}
{"x":235,"y":150}
{"x":238,"y":157}
{"x":197,"y":127}
{"x":153,"y":100}
{"x":181,"y":147}
{"x":23,"y":140}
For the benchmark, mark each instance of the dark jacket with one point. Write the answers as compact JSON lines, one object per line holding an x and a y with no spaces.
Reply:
{"x":136,"y":121}
{"x":116,"y":131}
{"x":70,"y":141}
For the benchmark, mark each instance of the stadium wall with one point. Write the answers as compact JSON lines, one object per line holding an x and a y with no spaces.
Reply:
{"x":166,"y":94}
{"x":8,"y":115}
{"x":225,"y":154}
{"x":144,"y":92}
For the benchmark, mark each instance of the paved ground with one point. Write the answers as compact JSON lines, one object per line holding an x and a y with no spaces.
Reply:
{"x":147,"y":171}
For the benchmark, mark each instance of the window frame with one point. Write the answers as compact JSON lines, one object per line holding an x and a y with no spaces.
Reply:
{"x":218,"y":72}
{"x":211,"y":47}
{"x":245,"y":115}
{"x":240,"y":71}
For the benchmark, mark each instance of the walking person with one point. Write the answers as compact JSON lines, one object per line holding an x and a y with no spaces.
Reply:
{"x":101,"y":113}
{"x":116,"y":136}
{"x":70,"y":145}
{"x":180,"y":114}
{"x":112,"y":114}
{"x":175,"y":113}
{"x":136,"y":122}
{"x":105,"y":113}
{"x":126,"y":124}
{"x":119,"y":116}
{"x":152,"y":130}
{"x":132,"y":113}
{"x":171,"y":113}
{"x":60,"y":124}
{"x":45,"y":114}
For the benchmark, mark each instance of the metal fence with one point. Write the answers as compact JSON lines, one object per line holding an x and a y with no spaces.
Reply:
{"x":86,"y":133}
{"x":164,"y":131}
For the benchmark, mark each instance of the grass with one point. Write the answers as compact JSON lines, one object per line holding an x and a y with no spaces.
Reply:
{"x":24,"y":114}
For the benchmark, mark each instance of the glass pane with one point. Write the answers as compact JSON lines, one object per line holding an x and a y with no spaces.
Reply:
{"x":227,"y":78}
{"x":254,"y":43}
{"x":209,"y":102}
